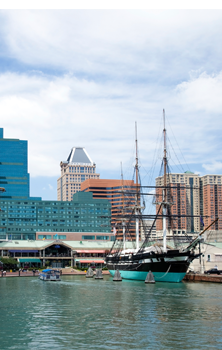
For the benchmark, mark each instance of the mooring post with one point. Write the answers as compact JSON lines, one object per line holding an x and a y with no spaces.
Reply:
{"x":150,"y":278}
{"x":117,"y":277}
{"x":89,"y":273}
{"x":99,"y":274}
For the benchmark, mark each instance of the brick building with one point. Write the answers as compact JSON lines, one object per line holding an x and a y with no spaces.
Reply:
{"x":211,"y":199}
{"x":121,"y":195}
{"x":193,"y":196}
{"x":183,"y":194}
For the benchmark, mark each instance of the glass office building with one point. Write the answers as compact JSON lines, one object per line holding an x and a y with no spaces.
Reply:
{"x":21,"y":219}
{"x":14,"y":175}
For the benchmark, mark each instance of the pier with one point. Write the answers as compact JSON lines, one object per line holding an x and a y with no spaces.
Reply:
{"x":191,"y":277}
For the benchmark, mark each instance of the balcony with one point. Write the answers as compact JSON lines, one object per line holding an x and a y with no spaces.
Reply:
{"x":57,"y":255}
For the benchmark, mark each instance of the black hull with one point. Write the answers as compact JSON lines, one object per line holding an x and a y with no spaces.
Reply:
{"x":166,"y":267}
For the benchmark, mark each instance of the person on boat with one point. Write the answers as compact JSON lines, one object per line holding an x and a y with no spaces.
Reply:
{"x":215,"y":267}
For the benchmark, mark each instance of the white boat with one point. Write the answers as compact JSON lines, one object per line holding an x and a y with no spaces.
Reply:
{"x":50,"y":275}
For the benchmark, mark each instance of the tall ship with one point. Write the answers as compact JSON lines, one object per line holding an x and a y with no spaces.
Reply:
{"x":168,"y":257}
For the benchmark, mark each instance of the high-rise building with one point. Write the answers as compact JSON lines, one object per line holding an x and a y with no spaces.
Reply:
{"x":196,"y":200}
{"x":184,"y":196}
{"x":14,"y":175}
{"x":120,"y":193}
{"x":77,"y":168}
{"x":211,"y":200}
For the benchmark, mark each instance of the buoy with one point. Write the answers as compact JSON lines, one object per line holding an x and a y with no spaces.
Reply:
{"x":99,"y":274}
{"x":89,"y":273}
{"x":117,"y":277}
{"x":150,"y":278}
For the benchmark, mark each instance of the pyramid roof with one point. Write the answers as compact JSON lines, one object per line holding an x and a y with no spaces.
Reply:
{"x":78,"y":155}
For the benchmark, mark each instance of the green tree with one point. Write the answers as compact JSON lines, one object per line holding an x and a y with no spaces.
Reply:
{"x":9,"y":262}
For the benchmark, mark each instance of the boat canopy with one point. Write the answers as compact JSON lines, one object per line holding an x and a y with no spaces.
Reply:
{"x":47,"y":270}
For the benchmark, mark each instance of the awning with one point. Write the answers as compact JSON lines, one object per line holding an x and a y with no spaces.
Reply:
{"x":86,"y":261}
{"x":28,"y":260}
{"x":23,"y":251}
{"x":91,"y":251}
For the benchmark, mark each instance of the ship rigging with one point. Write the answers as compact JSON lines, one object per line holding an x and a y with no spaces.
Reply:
{"x":169,"y":257}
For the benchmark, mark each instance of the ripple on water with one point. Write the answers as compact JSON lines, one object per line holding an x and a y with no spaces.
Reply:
{"x":80,"y":313}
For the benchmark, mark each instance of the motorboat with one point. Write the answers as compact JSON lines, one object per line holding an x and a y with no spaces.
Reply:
{"x":50,"y":275}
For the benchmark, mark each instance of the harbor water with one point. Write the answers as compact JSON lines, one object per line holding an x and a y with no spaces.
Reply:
{"x":81,"y":313}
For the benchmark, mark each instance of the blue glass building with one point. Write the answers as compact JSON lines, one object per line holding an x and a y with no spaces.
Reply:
{"x":21,"y":219}
{"x":14,"y":175}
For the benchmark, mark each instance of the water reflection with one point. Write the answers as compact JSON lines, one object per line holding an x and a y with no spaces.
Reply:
{"x":80,"y":313}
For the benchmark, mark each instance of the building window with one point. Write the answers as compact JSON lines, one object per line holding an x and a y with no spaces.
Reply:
{"x":44,"y":236}
{"x":59,"y":237}
{"x":103,"y":238}
{"x":88,"y":237}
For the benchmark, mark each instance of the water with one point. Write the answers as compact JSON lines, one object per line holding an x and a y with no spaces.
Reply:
{"x":80,"y":313}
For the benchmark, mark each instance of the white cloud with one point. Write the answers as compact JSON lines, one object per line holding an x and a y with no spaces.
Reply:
{"x":213,"y":167}
{"x":117,"y":43}
{"x":56,"y":113}
{"x":82,"y":78}
{"x":203,"y":91}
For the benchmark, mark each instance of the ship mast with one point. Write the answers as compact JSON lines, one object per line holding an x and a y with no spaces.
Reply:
{"x":123,"y":220}
{"x":137,"y":193}
{"x":164,"y":203}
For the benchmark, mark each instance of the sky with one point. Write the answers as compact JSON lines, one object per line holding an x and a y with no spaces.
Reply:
{"x":82,"y":78}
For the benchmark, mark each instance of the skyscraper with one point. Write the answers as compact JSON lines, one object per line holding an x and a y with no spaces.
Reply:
{"x":77,"y":168}
{"x":184,"y":196}
{"x":14,"y":175}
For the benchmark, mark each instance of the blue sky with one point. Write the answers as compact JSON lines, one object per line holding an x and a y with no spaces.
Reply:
{"x":83,"y":77}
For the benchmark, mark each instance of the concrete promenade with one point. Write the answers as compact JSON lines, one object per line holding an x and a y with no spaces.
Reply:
{"x":65,"y":272}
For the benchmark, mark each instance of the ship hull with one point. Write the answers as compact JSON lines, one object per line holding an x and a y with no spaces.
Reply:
{"x":158,"y":276}
{"x":173,"y":271}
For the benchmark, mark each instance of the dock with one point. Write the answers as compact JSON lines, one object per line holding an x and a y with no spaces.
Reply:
{"x":65,"y":272}
{"x":191,"y":277}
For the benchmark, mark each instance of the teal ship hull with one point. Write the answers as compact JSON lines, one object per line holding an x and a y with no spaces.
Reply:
{"x":165,"y":267}
{"x":158,"y":276}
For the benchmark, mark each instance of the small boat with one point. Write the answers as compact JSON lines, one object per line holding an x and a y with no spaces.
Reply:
{"x":50,"y":275}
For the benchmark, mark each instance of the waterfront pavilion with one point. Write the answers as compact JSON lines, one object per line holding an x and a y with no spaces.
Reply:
{"x":58,"y":253}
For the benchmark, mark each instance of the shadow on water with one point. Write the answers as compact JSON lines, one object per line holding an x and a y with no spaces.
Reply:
{"x":80,"y":313}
